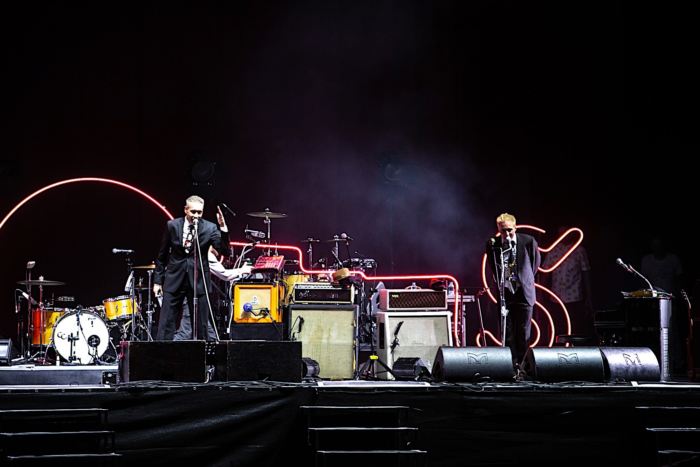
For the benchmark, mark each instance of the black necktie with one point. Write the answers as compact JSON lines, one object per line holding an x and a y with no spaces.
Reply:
{"x":189,"y":238}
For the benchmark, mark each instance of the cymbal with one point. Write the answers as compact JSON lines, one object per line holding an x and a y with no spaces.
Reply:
{"x":41,"y":282}
{"x":145,"y":266}
{"x":341,"y":240}
{"x":310,"y":240}
{"x":267,"y":213}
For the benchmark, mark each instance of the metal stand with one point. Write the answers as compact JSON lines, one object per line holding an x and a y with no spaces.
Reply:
{"x":501,"y":291}
{"x":195,"y":300}
{"x":368,"y":370}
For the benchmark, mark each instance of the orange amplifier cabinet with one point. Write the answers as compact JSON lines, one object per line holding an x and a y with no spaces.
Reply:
{"x":256,"y":303}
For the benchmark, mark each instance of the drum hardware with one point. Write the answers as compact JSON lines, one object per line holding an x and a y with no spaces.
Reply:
{"x":267,"y":215}
{"x":310,"y":249}
{"x":29,"y":335}
{"x":335,"y":251}
{"x":81,"y":337}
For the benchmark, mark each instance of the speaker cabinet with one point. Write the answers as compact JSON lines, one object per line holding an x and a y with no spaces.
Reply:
{"x":630,"y":364}
{"x":419,"y":335}
{"x":473,"y":364}
{"x":327,"y":335}
{"x":7,"y":352}
{"x":256,"y":303}
{"x":182,"y":361}
{"x":565,"y":364}
{"x":258,"y":361}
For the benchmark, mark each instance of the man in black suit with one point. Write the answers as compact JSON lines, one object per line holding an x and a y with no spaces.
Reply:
{"x":521,"y":259}
{"x":175,"y":264}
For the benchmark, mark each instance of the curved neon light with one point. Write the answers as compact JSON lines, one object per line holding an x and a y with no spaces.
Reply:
{"x":564,"y":310}
{"x":300,"y":254}
{"x":83,"y":179}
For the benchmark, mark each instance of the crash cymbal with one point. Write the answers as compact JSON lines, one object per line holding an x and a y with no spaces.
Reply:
{"x":145,"y":266}
{"x":267,"y":213}
{"x":40,"y":282}
{"x":310,"y":240}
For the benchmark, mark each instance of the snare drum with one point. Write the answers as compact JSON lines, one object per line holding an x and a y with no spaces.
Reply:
{"x":80,"y":337}
{"x":118,"y":307}
{"x":51,"y":316}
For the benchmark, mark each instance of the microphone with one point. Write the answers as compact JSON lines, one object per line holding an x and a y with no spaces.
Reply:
{"x":117,"y":251}
{"x":624,"y":266}
{"x":31,"y":264}
{"x":228,"y":209}
{"x":255,"y":233}
{"x":396,"y":336}
{"x":27,"y":297}
{"x":344,"y":236}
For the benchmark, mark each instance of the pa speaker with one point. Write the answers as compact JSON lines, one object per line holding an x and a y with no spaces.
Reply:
{"x":630,"y":364}
{"x":565,"y":364}
{"x":473,"y":364}
{"x":182,"y":361}
{"x":7,"y":352}
{"x":258,"y":361}
{"x":327,"y":335}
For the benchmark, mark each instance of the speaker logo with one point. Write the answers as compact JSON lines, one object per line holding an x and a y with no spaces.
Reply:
{"x":477,"y":358}
{"x":568,"y":359}
{"x":632,"y":359}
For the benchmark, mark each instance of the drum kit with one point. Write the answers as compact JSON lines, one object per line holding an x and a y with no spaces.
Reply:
{"x":90,"y":335}
{"x":83,"y":335}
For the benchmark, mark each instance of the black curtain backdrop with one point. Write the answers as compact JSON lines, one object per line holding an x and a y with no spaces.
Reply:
{"x":408,"y":125}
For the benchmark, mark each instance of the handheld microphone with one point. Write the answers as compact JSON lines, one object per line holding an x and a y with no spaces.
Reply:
{"x":117,"y":251}
{"x":27,"y":297}
{"x":228,"y":209}
{"x":395,"y":343}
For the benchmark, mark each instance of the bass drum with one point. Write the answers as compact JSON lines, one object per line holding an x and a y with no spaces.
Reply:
{"x":80,"y":337}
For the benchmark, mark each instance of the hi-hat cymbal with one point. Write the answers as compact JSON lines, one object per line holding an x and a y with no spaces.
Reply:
{"x":145,"y":266}
{"x":41,"y":282}
{"x":267,"y":213}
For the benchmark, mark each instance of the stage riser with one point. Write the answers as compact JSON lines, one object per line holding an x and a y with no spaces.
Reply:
{"x":59,"y":376}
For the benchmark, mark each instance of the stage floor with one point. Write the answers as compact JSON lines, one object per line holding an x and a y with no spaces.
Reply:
{"x":343,"y":422}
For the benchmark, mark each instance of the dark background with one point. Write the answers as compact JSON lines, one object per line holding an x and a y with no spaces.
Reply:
{"x":410,"y":125}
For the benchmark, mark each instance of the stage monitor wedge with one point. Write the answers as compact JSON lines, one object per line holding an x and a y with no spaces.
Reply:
{"x":473,"y":364}
{"x":630,"y":364}
{"x":558,"y":364}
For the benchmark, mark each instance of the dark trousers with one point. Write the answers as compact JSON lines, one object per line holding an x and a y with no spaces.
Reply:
{"x":171,"y":311}
{"x":184,"y":330}
{"x":518,"y":324}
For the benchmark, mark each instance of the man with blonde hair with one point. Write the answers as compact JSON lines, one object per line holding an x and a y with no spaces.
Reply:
{"x":521,"y":259}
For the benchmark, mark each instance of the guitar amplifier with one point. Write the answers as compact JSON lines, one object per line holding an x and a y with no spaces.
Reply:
{"x":412,"y":300}
{"x":311,"y":292}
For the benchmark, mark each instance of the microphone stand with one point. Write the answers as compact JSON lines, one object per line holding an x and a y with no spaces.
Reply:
{"x":195,"y":276}
{"x":501,"y":291}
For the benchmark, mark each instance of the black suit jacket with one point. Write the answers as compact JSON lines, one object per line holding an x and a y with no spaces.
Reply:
{"x":174,"y":266}
{"x":528,"y":261}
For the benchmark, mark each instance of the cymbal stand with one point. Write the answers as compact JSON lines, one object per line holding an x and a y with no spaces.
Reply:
{"x":25,"y":333}
{"x":269,"y":239}
{"x":336,"y":250}
{"x":149,"y":306}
